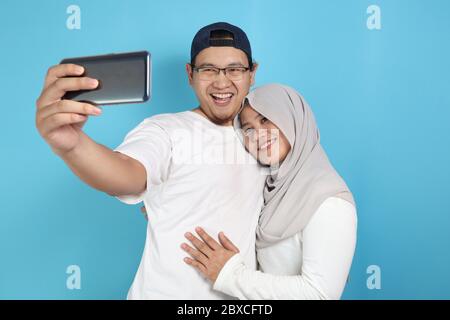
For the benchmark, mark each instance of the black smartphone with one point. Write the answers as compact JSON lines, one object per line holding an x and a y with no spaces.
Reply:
{"x":123,"y":78}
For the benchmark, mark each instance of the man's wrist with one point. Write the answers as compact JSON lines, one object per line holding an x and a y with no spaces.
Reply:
{"x":71,"y":154}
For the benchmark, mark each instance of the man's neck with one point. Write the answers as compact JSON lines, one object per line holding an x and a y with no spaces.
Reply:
{"x":200,"y":112}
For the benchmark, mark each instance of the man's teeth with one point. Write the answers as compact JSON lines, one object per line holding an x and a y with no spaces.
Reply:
{"x":222,"y":95}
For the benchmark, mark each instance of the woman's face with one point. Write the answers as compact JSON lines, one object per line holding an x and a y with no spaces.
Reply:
{"x":262,"y":138}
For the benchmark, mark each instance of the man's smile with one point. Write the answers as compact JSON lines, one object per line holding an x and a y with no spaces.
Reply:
{"x":222,"y":99}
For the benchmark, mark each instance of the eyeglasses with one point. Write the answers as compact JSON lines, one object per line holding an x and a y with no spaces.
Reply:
{"x":211,"y":73}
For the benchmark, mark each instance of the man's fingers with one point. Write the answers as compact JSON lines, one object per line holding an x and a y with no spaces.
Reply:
{"x":226,"y":243}
{"x":200,"y":245}
{"x":68,"y":106}
{"x":60,"y":119}
{"x":57,"y":89}
{"x":213,"y":244}
{"x":60,"y":71}
{"x":195,"y":253}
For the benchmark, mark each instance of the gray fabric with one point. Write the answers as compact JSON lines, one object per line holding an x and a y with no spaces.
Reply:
{"x":305,"y":179}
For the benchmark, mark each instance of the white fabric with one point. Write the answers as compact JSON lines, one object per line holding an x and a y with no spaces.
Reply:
{"x":192,"y":180}
{"x":313,"y":264}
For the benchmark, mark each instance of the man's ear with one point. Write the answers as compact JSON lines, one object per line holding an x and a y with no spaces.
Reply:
{"x":253,"y":73}
{"x":189,"y":73}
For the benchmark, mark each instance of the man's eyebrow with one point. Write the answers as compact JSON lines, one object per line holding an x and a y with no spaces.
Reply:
{"x":233,"y":64}
{"x":206,"y":65}
{"x":246,"y":123}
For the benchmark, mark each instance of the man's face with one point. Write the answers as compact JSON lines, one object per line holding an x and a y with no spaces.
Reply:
{"x":221,"y":98}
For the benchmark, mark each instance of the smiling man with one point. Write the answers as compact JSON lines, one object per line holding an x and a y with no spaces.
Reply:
{"x":177,"y":164}
{"x":220,"y":96}
{"x":189,"y":181}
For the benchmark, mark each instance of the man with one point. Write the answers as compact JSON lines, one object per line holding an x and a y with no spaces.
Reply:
{"x":185,"y":166}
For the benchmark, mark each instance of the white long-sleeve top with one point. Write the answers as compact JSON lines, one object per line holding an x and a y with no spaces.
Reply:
{"x":313,"y":264}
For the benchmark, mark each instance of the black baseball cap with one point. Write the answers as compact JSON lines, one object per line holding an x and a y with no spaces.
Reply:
{"x":205,"y":38}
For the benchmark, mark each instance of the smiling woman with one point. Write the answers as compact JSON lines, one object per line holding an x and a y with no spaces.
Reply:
{"x":262,"y":138}
{"x":307,"y":228}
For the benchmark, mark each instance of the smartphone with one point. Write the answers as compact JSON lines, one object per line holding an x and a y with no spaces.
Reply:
{"x":123,"y":78}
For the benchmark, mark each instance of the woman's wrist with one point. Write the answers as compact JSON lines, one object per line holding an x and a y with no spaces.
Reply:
{"x":225,"y":277}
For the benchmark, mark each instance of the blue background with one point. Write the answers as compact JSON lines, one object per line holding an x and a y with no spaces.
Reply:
{"x":381,"y":99}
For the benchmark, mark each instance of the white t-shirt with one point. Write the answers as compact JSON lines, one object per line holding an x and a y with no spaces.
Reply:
{"x":313,"y":264}
{"x":198,"y":174}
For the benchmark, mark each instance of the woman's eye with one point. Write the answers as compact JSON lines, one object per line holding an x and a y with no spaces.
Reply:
{"x":248,"y":131}
{"x":263,"y":120}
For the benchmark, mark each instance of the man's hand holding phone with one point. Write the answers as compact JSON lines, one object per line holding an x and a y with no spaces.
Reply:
{"x":60,"y":121}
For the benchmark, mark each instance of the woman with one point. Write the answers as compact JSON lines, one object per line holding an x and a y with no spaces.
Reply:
{"x":307,"y":228}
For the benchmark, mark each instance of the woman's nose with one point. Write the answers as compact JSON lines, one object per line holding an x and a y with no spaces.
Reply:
{"x":262,"y":133}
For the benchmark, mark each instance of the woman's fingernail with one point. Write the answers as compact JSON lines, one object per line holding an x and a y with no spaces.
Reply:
{"x":93,"y":82}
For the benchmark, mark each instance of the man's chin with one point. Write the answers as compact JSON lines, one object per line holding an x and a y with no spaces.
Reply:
{"x":222,"y":121}
{"x":222,"y":117}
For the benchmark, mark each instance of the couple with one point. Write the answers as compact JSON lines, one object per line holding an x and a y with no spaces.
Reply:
{"x":306,"y":233}
{"x":307,"y":228}
{"x":302,"y":213}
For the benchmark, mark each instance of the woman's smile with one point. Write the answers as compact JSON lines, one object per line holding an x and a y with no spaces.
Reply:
{"x":267,"y":144}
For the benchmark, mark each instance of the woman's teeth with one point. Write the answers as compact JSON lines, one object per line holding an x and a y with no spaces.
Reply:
{"x":267,"y":144}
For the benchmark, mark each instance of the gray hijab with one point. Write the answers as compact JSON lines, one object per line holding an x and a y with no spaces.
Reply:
{"x":294,"y":190}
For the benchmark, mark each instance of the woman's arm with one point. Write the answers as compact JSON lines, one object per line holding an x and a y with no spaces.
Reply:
{"x":328,"y":246}
{"x":329,"y":242}
{"x":237,"y":280}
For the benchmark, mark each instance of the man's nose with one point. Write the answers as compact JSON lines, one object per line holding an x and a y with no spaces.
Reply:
{"x":222,"y":80}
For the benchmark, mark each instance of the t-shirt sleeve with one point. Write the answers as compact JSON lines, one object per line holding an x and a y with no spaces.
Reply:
{"x":150,"y":144}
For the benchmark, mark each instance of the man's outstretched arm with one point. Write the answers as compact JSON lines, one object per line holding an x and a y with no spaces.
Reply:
{"x":60,"y":123}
